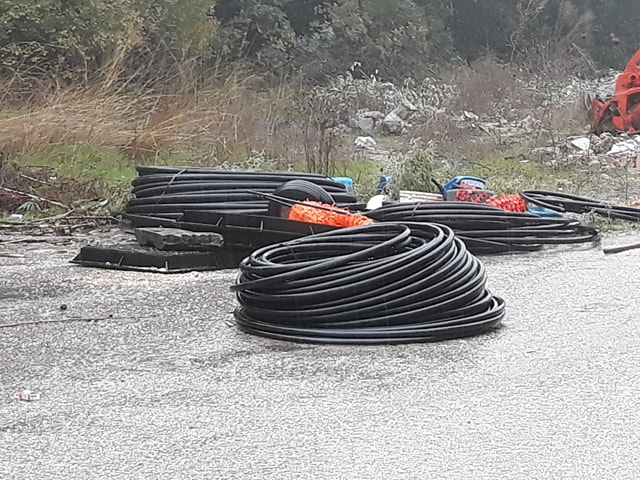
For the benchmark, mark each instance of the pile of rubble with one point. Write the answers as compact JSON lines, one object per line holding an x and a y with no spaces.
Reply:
{"x":604,"y":151}
{"x":407,"y":108}
{"x":512,"y":126}
{"x":395,"y":122}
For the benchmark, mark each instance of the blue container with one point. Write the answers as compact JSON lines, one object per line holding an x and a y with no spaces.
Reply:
{"x":346,"y":181}
{"x":463,"y":181}
{"x":541,"y":211}
{"x":383,"y":184}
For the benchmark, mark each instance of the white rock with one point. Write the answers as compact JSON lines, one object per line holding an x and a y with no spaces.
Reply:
{"x":583,"y":143}
{"x":470,"y":116}
{"x":367,"y":143}
{"x":624,"y":148}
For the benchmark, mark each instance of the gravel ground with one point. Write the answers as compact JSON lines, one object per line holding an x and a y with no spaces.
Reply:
{"x":167,"y":388}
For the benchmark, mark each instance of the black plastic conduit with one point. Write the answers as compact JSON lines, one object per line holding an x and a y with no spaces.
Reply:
{"x":376,"y":284}
{"x":167,"y":192}
{"x":487,"y":229}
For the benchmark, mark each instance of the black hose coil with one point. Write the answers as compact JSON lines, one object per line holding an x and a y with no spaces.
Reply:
{"x":487,"y":229}
{"x":164,"y":192}
{"x":375,"y":284}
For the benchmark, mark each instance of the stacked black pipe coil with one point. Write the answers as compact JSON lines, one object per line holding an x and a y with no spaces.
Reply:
{"x":375,"y":284}
{"x":564,"y":202}
{"x":167,"y":192}
{"x":487,"y":229}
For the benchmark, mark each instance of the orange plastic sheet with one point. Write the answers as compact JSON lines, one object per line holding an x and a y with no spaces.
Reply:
{"x":327,"y":215}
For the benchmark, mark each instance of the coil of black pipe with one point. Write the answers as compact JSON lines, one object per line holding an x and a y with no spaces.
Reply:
{"x":564,"y":202}
{"x":156,"y":189}
{"x":166,"y":192}
{"x":376,"y":284}
{"x":140,"y":183}
{"x":172,"y":170}
{"x":231,"y":176}
{"x":487,"y":229}
{"x":179,"y":208}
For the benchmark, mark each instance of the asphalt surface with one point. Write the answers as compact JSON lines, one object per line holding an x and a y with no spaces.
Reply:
{"x":167,"y":388}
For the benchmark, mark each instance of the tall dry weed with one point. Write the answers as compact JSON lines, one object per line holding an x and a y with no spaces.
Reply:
{"x":488,"y":87}
{"x":222,"y":115}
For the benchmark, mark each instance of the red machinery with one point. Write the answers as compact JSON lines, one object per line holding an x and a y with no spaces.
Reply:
{"x":621,"y":112}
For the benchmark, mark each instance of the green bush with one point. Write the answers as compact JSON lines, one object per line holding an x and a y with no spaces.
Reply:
{"x":183,"y":27}
{"x":46,"y":35}
{"x":313,"y":39}
{"x":41,"y":36}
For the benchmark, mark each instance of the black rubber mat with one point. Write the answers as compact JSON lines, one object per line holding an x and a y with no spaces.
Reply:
{"x":135,"y":257}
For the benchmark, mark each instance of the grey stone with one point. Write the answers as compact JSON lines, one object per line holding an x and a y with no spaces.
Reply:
{"x":605,"y":142}
{"x":366,"y":124}
{"x":595,"y":164}
{"x":405,"y":110}
{"x":376,"y":115}
{"x":393,"y":124}
{"x":368,"y":120}
{"x":178,"y":239}
{"x":546,"y":151}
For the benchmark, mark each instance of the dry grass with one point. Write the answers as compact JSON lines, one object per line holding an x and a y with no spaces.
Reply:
{"x":516,"y":110}
{"x":230,"y":116}
{"x":224,"y":118}
{"x":488,"y":88}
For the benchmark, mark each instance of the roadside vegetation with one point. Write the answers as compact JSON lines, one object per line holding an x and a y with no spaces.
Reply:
{"x":89,"y":90}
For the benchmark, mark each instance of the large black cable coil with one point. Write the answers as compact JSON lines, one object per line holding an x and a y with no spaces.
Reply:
{"x":375,"y":284}
{"x":172,"y":170}
{"x":487,"y":229}
{"x":167,"y":192}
